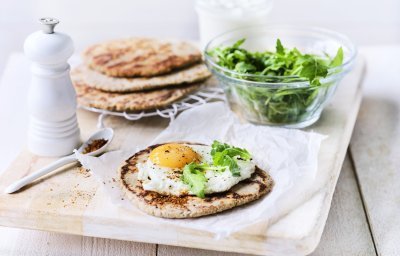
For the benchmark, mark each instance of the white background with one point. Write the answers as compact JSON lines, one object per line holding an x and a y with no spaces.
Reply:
{"x":367,"y":22}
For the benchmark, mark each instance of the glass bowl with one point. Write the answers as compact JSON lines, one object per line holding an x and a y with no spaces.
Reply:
{"x":281,"y":100}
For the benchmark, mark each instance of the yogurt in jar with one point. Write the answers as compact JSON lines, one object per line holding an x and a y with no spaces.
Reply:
{"x":219,"y":16}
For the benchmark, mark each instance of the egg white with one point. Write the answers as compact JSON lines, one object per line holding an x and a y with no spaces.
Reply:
{"x":168,"y":181}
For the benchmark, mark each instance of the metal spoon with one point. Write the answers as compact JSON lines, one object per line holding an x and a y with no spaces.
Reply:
{"x":106,"y":133}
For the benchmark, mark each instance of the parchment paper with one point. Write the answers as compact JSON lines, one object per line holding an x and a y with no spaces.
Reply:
{"x":290,"y":156}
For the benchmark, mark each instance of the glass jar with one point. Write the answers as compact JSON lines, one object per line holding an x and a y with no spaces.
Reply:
{"x":219,"y":16}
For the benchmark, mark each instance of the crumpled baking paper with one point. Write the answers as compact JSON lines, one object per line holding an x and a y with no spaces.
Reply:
{"x":290,"y":156}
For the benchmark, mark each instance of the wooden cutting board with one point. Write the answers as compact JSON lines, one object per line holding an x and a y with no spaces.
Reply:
{"x":71,"y":200}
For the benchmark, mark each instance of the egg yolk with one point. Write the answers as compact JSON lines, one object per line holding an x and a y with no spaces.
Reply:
{"x":173,"y":155}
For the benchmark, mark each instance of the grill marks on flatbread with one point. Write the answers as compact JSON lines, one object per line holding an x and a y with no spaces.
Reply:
{"x":131,"y":102}
{"x":259,"y":184}
{"x":140,"y":56}
{"x":97,"y":80}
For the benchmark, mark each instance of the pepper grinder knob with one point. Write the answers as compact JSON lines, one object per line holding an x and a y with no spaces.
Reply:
{"x":48,"y":24}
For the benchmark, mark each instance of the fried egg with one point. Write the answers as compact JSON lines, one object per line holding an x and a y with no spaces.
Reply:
{"x":162,"y":172}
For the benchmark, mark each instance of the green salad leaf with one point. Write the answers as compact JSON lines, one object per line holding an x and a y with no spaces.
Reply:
{"x":224,"y":156}
{"x":194,"y":176}
{"x":279,"y":47}
{"x":338,"y":59}
{"x":313,"y":69}
{"x":281,"y":104}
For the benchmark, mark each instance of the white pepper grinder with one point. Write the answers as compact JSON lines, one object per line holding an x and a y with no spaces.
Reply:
{"x":53,"y":127}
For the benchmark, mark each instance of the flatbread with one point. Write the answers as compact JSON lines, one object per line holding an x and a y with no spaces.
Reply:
{"x":140,"y":56}
{"x":95,"y":79}
{"x":131,"y":102}
{"x":153,"y":203}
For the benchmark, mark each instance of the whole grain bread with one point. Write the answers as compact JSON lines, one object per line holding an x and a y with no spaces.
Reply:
{"x":140,"y":56}
{"x":92,"y":78}
{"x":133,"y":101}
{"x":188,"y":206}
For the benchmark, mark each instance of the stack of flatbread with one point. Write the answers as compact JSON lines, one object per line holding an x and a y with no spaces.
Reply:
{"x":138,"y":74}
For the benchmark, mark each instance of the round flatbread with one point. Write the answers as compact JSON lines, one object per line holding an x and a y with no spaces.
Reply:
{"x":131,"y":102}
{"x":140,"y":56}
{"x":95,"y":79}
{"x":259,"y":184}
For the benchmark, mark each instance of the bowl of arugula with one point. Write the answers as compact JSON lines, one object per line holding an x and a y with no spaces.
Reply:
{"x":280,"y":75}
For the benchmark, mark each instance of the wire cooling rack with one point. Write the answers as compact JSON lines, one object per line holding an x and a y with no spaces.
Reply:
{"x":199,"y":98}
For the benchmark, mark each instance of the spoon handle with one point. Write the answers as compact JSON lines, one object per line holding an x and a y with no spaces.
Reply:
{"x":45,"y":170}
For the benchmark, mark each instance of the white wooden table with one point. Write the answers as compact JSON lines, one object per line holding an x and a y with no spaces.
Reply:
{"x":364,"y":218}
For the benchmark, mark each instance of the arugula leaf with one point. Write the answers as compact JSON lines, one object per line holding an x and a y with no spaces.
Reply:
{"x":239,"y":43}
{"x":226,"y":156}
{"x":194,"y":176}
{"x":245,"y":67}
{"x":279,"y":47}
{"x":338,"y":59}
{"x":232,"y":164}
{"x":281,"y":104}
{"x":312,"y":69}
